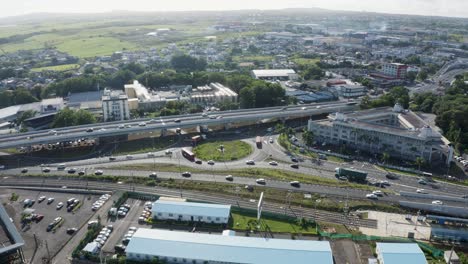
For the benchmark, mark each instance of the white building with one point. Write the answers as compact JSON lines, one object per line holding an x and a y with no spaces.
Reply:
{"x":273,"y":75}
{"x":398,"y":253}
{"x":212,"y":93}
{"x":187,"y":211}
{"x":350,"y":91}
{"x":398,"y":132}
{"x":198,"y":248}
{"x":115,"y":106}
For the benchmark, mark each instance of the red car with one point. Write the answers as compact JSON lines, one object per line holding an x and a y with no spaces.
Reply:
{"x":38,"y":218}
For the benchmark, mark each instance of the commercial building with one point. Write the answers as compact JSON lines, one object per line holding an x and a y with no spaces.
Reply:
{"x":350,"y":91}
{"x":115,"y":106}
{"x":397,"y":253}
{"x":212,"y":93}
{"x":198,"y":248}
{"x":399,"y":132}
{"x":11,"y":242}
{"x":187,"y":211}
{"x":275,"y":75}
{"x":396,"y":70}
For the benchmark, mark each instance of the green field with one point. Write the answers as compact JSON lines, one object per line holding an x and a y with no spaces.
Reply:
{"x":305,"y":61}
{"x":60,"y":68}
{"x":233,"y":150}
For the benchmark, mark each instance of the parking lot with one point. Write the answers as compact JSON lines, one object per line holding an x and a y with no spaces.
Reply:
{"x":35,"y":234}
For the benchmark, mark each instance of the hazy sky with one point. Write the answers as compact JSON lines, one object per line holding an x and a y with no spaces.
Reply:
{"x":423,"y":7}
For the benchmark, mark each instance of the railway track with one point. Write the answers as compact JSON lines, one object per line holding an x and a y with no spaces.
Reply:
{"x":295,"y":211}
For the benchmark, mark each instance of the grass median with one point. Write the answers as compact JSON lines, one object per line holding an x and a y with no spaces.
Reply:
{"x":233,"y":150}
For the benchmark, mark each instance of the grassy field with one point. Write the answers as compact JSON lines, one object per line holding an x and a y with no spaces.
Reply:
{"x":233,"y":150}
{"x":247,"y":220}
{"x":143,"y":145}
{"x":305,"y":61}
{"x":60,"y":68}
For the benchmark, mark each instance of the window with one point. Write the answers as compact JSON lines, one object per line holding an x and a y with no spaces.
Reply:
{"x":180,"y":216}
{"x":217,"y":218}
{"x":209,"y":217}
{"x":159,"y":214}
{"x":171,"y":215}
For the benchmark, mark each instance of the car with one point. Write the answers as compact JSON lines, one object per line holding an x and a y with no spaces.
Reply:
{"x":129,"y":157}
{"x":212,"y":117}
{"x":92,"y":223}
{"x":437,"y":202}
{"x":198,"y":162}
{"x":112,"y":158}
{"x":249,"y":188}
{"x":168,"y":152}
{"x":98,"y":172}
{"x":378,"y":193}
{"x":72,"y":230}
{"x":24,"y":170}
{"x":153,"y":175}
{"x":50,"y":200}
{"x":284,"y":108}
{"x":295,"y":183}
{"x":142,"y":124}
{"x":385,"y":183}
{"x":294,"y":166}
{"x":293,"y":159}
{"x":423,"y":182}
{"x":250,"y":162}
{"x":178,"y":130}
{"x":59,"y":206}
{"x":89,"y":130}
{"x":81,"y":173}
{"x":122,"y":126}
{"x":38,"y":218}
{"x":270,"y":140}
{"x":102,"y":129}
{"x":71,"y":170}
{"x":46,"y":169}
{"x":186,"y":174}
{"x":177,"y":121}
{"x":304,"y":108}
{"x":260,"y":181}
{"x":229,"y":178}
{"x":273,"y":163}
{"x":210,"y":162}
{"x":52,"y":132}
{"x":150,"y":155}
{"x":371,"y":196}
{"x":421,"y":191}
{"x":41,"y":199}
{"x":219,"y":117}
{"x":391,"y":176}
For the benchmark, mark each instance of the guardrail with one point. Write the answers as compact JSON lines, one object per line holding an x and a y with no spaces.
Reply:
{"x":434,"y":197}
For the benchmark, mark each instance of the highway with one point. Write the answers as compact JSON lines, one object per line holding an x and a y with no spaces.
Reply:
{"x":184,"y":121}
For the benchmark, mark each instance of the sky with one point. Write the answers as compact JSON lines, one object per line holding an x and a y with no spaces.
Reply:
{"x":456,"y":8}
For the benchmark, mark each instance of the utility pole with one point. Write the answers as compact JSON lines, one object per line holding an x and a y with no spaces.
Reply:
{"x":48,"y":252}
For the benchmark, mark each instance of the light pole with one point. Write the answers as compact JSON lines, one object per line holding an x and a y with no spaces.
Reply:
{"x":316,"y":214}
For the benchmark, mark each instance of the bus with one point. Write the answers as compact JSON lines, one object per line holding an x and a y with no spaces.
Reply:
{"x":188,"y":154}
{"x":258,"y":141}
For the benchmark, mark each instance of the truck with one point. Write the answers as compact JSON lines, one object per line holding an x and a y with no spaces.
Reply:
{"x":196,"y":140}
{"x":258,"y":141}
{"x":352,"y":174}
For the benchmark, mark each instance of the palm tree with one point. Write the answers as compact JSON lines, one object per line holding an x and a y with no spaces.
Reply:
{"x":419,"y":161}
{"x":385,"y":157}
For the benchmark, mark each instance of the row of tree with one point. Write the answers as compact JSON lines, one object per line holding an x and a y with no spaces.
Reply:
{"x":68,"y":117}
{"x":395,"y":95}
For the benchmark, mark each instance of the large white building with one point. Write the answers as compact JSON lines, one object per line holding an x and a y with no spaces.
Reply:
{"x":198,"y":248}
{"x":115,"y":106}
{"x":399,"y":132}
{"x":398,"y":253}
{"x":212,"y":93}
{"x":275,"y":74}
{"x":187,"y":211}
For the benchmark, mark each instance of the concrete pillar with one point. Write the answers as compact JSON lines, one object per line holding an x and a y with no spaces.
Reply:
{"x":163,"y":132}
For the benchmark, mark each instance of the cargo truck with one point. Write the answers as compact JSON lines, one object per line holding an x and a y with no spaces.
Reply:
{"x":351,"y":174}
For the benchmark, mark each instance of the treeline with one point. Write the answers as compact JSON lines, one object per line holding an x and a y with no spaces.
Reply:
{"x":451,"y":110}
{"x":68,"y":117}
{"x":15,"y":97}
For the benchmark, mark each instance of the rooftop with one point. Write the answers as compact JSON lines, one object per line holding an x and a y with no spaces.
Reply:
{"x":396,"y":253}
{"x":273,"y":73}
{"x":189,"y":208}
{"x":231,"y":249}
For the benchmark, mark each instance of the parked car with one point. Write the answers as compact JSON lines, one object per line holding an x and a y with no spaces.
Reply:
{"x":50,"y":200}
{"x":42,"y":198}
{"x":71,"y":230}
{"x":59,"y":206}
{"x":198,"y":162}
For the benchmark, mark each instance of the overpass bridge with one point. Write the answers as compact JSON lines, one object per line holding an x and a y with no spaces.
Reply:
{"x":126,"y":127}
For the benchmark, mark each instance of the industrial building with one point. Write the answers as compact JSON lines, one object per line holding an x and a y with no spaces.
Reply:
{"x":11,"y":242}
{"x":397,"y":253}
{"x":212,"y":93}
{"x":399,"y":132}
{"x":198,"y":248}
{"x":275,"y":75}
{"x":115,"y":106}
{"x":187,"y":211}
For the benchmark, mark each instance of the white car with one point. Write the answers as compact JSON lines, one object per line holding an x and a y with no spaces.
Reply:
{"x":437,"y":202}
{"x":260,"y":181}
{"x":273,"y":163}
{"x":121,"y":126}
{"x":270,"y":140}
{"x":250,"y":162}
{"x":378,"y":193}
{"x":142,"y":124}
{"x":304,"y":108}
{"x":421,"y":191}
{"x":371,"y":196}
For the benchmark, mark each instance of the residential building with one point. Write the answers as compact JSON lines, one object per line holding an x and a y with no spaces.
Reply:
{"x":200,"y":248}
{"x":115,"y":106}
{"x":396,"y":70}
{"x":397,"y":253}
{"x":399,"y":132}
{"x":11,"y":241}
{"x":187,"y":211}
{"x":274,"y":75}
{"x":212,"y":93}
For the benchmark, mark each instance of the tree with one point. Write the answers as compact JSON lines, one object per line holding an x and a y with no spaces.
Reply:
{"x":247,"y":97}
{"x":120,"y":78}
{"x":83,"y":117}
{"x":419,"y":162}
{"x":188,"y":63}
{"x":313,"y":72}
{"x":308,"y":137}
{"x":68,"y":117}
{"x":422,"y":75}
{"x":134,"y":67}
{"x":411,"y":76}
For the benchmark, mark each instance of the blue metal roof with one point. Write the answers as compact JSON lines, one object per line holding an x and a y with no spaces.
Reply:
{"x":398,"y":253}
{"x":235,"y":249}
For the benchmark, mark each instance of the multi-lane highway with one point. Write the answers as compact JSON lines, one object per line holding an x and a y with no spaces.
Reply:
{"x":173,"y":122}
